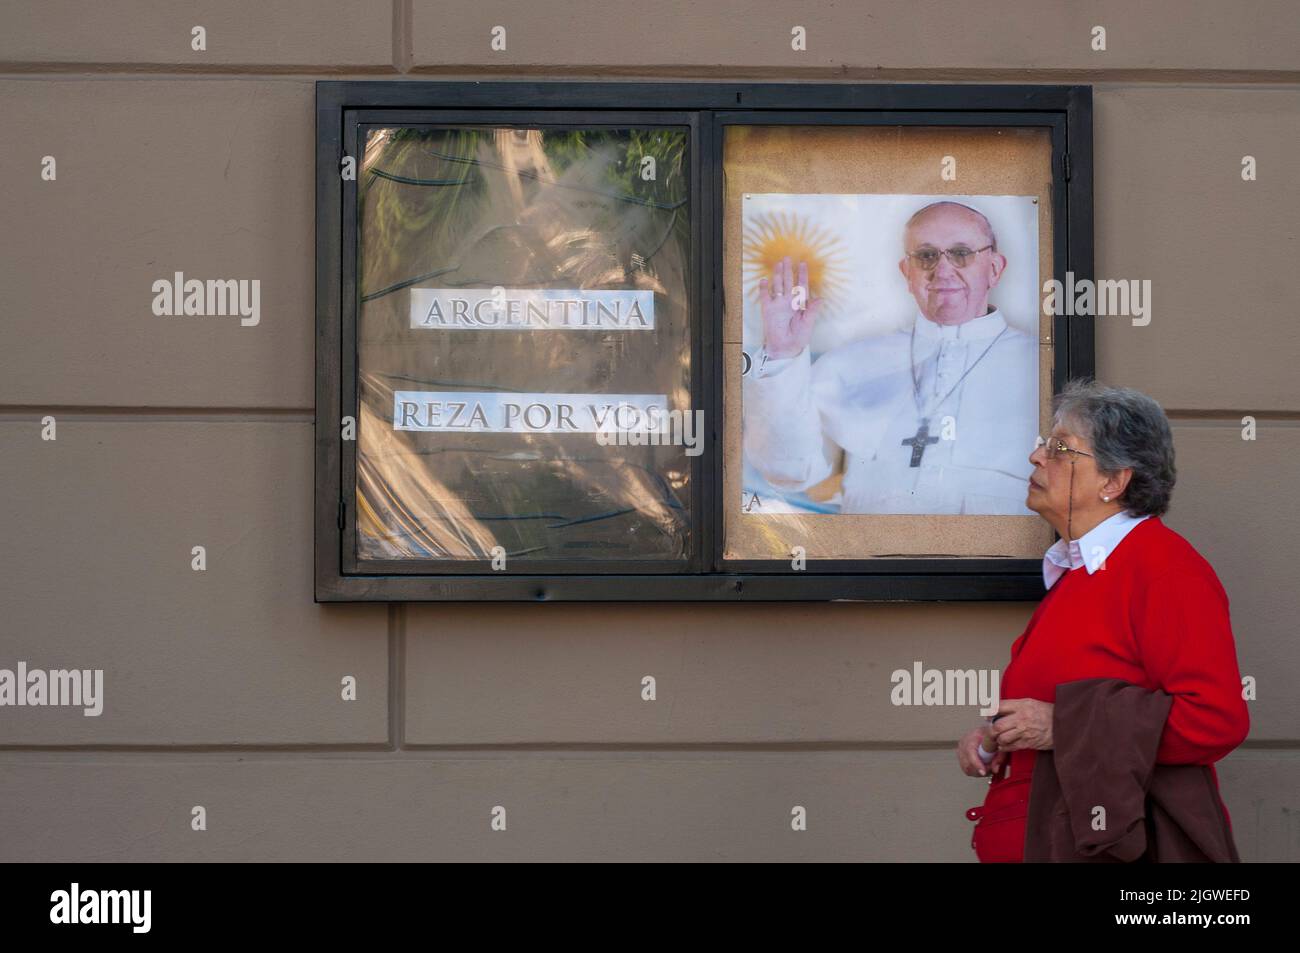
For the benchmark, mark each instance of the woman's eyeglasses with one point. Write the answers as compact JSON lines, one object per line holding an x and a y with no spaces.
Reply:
{"x":1055,"y":446}
{"x":961,"y":256}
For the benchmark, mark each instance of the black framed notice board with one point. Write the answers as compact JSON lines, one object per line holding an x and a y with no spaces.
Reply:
{"x":684,"y":341}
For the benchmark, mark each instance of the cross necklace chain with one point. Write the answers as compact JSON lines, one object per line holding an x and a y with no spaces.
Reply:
{"x":922,"y":439}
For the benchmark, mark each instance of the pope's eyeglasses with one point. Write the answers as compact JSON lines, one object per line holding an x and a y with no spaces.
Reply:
{"x":1055,"y":446}
{"x":960,"y":256}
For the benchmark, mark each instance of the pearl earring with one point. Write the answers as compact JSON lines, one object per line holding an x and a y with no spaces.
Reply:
{"x":1106,"y":499}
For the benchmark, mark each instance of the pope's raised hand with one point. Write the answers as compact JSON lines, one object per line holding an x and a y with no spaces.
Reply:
{"x":788,"y":308}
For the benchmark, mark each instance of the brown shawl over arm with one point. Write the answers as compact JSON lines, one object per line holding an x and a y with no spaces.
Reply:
{"x":1106,"y":732}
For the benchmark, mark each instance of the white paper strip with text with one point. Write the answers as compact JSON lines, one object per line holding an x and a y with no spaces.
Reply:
{"x":536,"y":309}
{"x":494,"y":412}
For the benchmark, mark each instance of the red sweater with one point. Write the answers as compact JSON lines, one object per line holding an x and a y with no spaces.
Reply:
{"x":1155,"y":615}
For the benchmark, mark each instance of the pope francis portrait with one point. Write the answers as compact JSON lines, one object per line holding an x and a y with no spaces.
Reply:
{"x":934,"y":419}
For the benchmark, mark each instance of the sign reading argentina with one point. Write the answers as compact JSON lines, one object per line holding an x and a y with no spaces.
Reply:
{"x":522,"y":309}
{"x":493,"y":412}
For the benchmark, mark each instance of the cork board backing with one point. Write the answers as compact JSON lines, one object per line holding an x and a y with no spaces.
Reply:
{"x":881,"y":160}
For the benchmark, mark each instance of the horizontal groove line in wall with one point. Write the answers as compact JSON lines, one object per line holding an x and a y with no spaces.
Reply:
{"x":162,"y":70}
{"x":12,"y":412}
{"x":471,"y":72}
{"x":380,"y":751}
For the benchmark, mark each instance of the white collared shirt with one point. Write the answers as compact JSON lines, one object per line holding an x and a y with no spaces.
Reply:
{"x":1090,"y":550}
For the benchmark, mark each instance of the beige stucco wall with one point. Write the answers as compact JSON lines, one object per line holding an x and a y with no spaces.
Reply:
{"x":223,"y":687}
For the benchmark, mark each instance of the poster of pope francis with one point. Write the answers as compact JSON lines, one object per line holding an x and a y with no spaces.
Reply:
{"x":891,"y":353}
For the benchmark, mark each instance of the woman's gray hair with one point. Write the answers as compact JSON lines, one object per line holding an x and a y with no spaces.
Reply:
{"x":1126,"y":428}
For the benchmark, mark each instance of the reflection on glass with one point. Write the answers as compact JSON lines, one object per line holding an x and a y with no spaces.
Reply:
{"x":524,"y":316}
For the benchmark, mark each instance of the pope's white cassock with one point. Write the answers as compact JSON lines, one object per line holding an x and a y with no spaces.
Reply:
{"x":861,"y":397}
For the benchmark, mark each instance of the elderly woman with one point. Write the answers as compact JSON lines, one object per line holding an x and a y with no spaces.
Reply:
{"x":1128,"y":598}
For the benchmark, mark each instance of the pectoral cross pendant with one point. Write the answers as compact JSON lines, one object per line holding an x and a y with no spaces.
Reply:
{"x":919,"y":441}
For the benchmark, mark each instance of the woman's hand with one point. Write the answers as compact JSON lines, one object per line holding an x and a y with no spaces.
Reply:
{"x":1026,"y":723}
{"x":969,"y":758}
